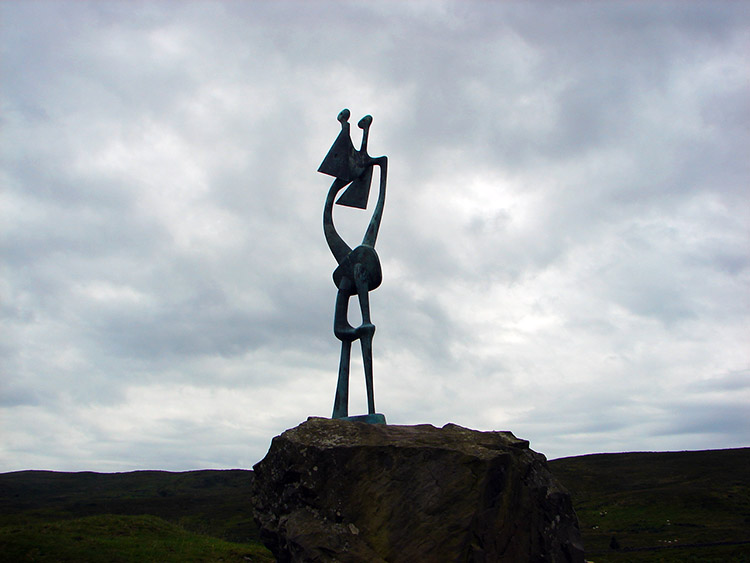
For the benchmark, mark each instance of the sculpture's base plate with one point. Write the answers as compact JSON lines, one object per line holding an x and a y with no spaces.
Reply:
{"x":375,"y":418}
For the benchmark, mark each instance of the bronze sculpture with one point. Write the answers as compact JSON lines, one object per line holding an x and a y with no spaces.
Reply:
{"x":358,"y":270}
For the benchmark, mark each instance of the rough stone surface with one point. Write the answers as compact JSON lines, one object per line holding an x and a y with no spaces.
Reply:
{"x":334,"y":490}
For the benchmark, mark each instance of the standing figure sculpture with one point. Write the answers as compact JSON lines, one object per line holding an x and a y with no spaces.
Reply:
{"x":358,"y":270}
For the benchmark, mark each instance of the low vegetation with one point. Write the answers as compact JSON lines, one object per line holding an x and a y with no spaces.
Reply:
{"x":633,"y":508}
{"x":661,"y":506}
{"x":115,"y":538}
{"x":138,"y":516}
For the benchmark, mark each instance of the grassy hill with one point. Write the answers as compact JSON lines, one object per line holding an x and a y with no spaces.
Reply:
{"x":661,"y":506}
{"x":138,"y":516}
{"x":658,"y":507}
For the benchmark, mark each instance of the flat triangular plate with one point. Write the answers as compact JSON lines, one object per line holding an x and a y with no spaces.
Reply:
{"x":339,"y":161}
{"x":358,"y":193}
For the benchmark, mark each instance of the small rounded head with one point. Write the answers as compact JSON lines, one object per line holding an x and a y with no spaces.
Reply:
{"x":365,"y":122}
{"x":343,"y":115}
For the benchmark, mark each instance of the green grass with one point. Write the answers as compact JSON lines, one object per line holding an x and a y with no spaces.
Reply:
{"x":656,"y":502}
{"x":708,"y":554}
{"x":138,"y":516}
{"x":114,"y":538}
{"x":661,"y":507}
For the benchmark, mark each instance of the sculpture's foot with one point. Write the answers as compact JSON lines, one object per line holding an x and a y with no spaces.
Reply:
{"x":375,"y":418}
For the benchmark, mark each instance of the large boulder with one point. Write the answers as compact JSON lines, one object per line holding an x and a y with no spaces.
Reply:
{"x":334,"y":490}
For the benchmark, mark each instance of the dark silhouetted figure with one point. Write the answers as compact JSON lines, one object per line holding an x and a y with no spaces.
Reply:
{"x":358,"y":270}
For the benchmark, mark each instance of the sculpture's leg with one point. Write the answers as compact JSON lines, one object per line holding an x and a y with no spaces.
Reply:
{"x":366,"y":342}
{"x":365,"y":332}
{"x":346,"y":333}
{"x":341,"y":401}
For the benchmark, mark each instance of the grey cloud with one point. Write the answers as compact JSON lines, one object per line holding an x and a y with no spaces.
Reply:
{"x":733,"y":381}
{"x":565,"y":234}
{"x":724,"y":420}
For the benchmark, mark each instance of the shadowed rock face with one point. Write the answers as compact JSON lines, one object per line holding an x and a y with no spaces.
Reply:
{"x":334,"y":490}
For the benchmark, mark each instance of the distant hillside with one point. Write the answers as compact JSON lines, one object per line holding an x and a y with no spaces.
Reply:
{"x":137,"y":516}
{"x":210,"y":502}
{"x":658,"y":507}
{"x":661,"y":501}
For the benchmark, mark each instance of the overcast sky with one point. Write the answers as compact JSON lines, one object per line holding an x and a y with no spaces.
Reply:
{"x":565,"y":244}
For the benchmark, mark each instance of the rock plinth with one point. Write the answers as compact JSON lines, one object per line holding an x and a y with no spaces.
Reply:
{"x":334,"y":490}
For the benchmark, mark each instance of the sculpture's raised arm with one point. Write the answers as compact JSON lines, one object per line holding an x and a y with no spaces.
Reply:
{"x":377,"y":216}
